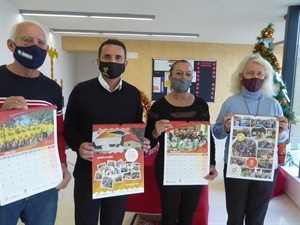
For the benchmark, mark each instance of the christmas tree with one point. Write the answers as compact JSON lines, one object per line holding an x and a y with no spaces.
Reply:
{"x":264,"y":47}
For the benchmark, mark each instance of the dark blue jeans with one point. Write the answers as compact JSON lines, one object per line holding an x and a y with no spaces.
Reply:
{"x":39,"y":209}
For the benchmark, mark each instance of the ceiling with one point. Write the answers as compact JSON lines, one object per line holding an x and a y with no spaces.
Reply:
{"x":216,"y":21}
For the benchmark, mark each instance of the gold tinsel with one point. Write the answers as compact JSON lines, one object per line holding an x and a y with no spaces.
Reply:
{"x":284,"y":101}
{"x":146,"y":103}
{"x":264,"y":49}
{"x":267,"y":32}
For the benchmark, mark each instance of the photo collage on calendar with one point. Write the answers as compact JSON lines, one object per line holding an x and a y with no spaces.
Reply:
{"x":187,"y":137}
{"x":252,"y":147}
{"x":118,"y":162}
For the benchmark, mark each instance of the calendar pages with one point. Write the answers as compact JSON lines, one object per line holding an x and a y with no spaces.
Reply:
{"x":118,"y":161}
{"x":29,"y":160}
{"x":252,"y":146}
{"x":187,"y":153}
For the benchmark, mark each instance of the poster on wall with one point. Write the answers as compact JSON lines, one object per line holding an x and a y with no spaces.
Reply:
{"x":203,"y":83}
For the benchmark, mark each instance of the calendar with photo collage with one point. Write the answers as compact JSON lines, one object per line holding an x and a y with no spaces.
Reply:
{"x":118,"y":160}
{"x":29,"y":159}
{"x":187,"y":153}
{"x":252,"y":147}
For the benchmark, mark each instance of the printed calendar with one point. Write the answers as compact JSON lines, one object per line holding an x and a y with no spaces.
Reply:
{"x":187,"y":153}
{"x":29,"y":160}
{"x":252,"y":147}
{"x":118,"y":160}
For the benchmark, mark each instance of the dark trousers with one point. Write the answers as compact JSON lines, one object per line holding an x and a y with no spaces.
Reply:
{"x":247,"y":200}
{"x":178,"y":203}
{"x":112,"y":209}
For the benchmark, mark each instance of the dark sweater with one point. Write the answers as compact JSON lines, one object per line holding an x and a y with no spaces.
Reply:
{"x":89,"y":103}
{"x":162,"y":109}
{"x":39,"y":91}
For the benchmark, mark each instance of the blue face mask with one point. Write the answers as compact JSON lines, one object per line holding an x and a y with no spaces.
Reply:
{"x":31,"y":57}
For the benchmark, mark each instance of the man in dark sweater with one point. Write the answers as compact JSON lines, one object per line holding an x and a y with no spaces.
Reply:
{"x":22,"y":86}
{"x":106,"y":99}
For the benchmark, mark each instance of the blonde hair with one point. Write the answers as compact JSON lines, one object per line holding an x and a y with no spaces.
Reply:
{"x":178,"y":61}
{"x":268,"y":88}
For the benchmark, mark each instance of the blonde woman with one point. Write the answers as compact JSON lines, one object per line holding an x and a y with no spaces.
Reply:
{"x":253,"y":89}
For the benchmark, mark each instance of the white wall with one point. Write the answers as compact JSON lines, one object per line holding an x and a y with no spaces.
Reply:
{"x":292,"y":187}
{"x":8,"y":17}
{"x":85,"y":67}
{"x":65,"y":66}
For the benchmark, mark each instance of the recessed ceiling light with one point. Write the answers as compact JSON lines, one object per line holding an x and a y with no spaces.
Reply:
{"x":87,"y":15}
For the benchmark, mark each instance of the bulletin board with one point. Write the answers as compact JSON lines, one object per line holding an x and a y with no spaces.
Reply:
{"x":203,"y":83}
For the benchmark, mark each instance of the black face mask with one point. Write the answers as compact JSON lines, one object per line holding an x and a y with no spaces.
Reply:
{"x":111,"y":70}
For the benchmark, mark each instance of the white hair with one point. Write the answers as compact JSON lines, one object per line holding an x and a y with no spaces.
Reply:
{"x":14,"y":28}
{"x":268,"y":88}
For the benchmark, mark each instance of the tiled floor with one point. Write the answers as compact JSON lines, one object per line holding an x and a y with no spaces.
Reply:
{"x":282,"y":211}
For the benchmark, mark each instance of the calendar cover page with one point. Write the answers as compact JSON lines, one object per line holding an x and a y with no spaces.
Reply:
{"x":187,"y":153}
{"x":253,"y":142}
{"x":118,"y":161}
{"x":29,"y":159}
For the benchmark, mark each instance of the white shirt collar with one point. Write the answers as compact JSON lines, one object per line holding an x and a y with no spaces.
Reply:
{"x":106,"y":86}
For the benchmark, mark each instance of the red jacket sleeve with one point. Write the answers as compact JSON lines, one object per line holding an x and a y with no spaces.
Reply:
{"x":60,"y":137}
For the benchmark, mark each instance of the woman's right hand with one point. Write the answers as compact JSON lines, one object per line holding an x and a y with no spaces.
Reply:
{"x":160,"y":127}
{"x":227,"y":121}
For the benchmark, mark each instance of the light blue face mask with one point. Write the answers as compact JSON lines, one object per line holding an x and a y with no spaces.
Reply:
{"x":181,"y":85}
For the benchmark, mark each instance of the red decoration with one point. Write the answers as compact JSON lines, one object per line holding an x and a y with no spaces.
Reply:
{"x":281,"y":154}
